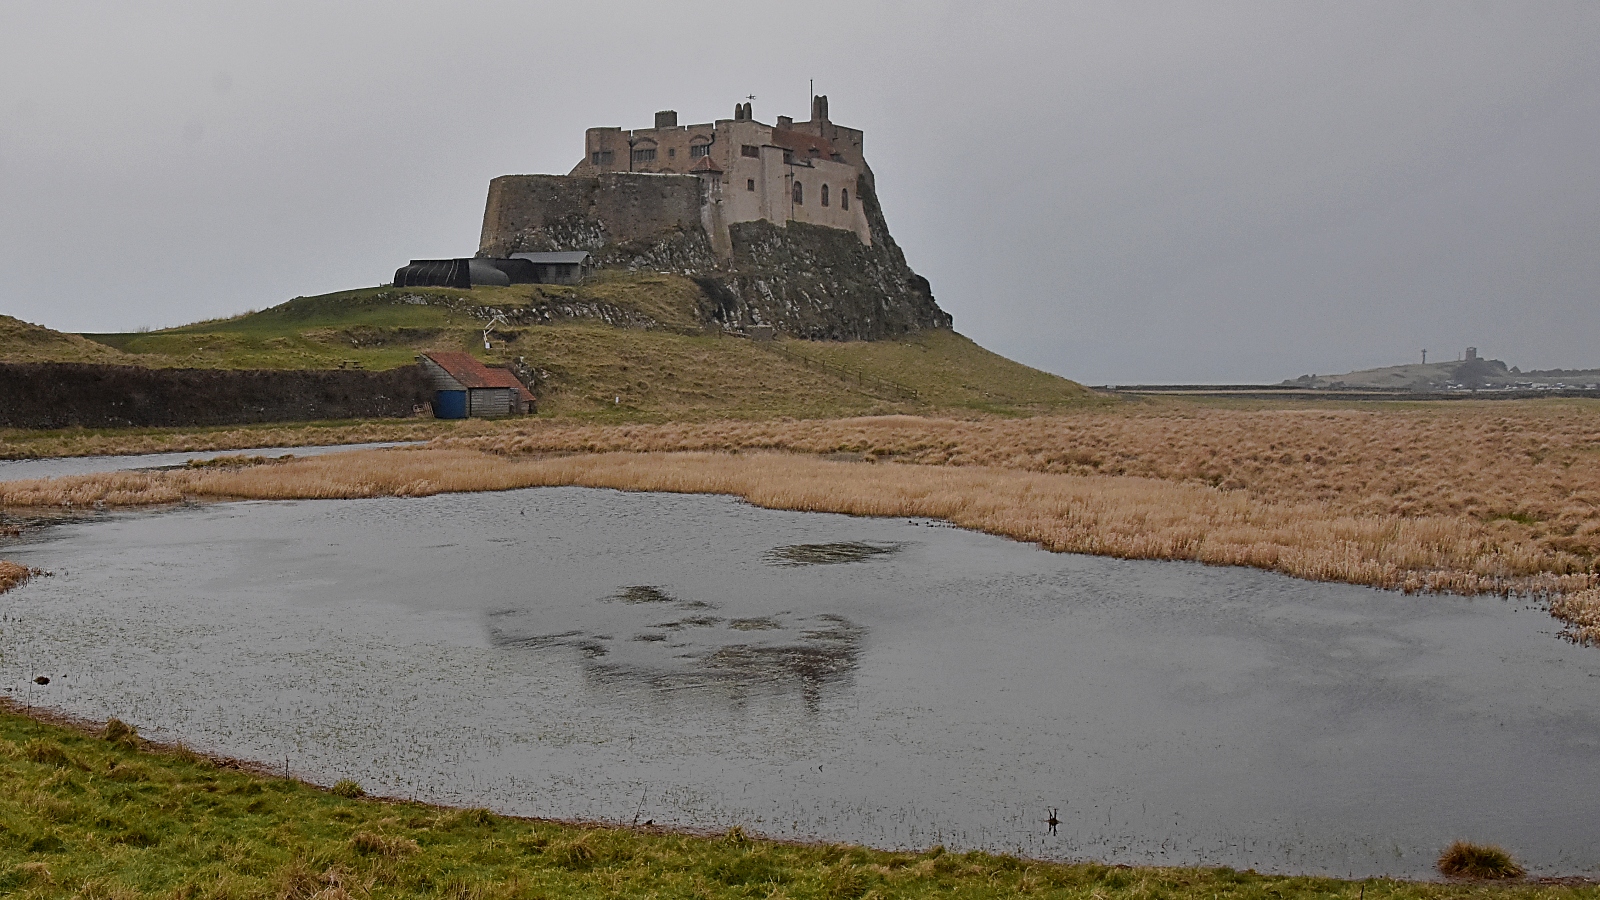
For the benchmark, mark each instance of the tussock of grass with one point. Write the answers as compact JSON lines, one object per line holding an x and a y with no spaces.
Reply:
{"x":1581,"y":611}
{"x":1478,"y":861}
{"x":119,"y":732}
{"x":176,"y":827}
{"x":14,"y":575}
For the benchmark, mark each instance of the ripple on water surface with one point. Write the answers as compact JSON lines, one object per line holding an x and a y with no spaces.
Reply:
{"x":567,"y":652}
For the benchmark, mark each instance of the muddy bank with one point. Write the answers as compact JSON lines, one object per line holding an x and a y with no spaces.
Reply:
{"x":63,"y":395}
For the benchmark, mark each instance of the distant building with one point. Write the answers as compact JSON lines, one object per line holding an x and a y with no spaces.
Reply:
{"x":464,"y":388}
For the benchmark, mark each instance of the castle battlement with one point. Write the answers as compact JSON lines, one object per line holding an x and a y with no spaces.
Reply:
{"x":788,"y":172}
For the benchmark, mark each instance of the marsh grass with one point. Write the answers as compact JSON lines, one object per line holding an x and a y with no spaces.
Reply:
{"x":14,"y":575}
{"x":1484,"y":862}
{"x":1109,"y":515}
{"x":1470,"y":497}
{"x":1581,"y":611}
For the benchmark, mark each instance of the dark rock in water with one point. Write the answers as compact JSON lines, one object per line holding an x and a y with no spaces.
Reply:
{"x":41,"y":680}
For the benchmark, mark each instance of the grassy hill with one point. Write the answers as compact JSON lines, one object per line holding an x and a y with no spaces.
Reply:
{"x":623,"y":346}
{"x":24,"y":342}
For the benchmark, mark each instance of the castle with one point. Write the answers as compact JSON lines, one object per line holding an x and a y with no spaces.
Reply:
{"x":778,"y":224}
{"x":788,"y":172}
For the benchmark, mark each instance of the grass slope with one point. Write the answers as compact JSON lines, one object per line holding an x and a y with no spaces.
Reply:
{"x":25,"y":342}
{"x":98,"y":817}
{"x":673,"y":368}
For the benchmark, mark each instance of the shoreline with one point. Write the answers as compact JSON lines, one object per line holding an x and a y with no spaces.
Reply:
{"x":1119,"y":516}
{"x":177,"y":753}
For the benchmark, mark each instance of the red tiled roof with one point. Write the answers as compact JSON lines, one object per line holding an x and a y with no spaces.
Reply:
{"x":705,"y":165}
{"x":802,"y":144}
{"x":465,"y":368}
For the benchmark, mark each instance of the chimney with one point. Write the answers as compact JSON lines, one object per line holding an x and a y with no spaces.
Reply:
{"x":819,"y":108}
{"x":667,"y":118}
{"x":786,"y":122}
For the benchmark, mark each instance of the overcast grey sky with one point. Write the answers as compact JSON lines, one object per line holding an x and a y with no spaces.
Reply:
{"x":1115,"y":191}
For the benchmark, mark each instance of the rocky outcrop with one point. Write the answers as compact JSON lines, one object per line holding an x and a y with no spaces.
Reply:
{"x":822,"y":283}
{"x":808,"y":281}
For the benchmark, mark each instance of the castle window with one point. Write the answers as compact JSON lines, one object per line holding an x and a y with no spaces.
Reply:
{"x":844,"y":198}
{"x":601,"y":157}
{"x":698,"y":150}
{"x":749,"y":184}
{"x":672,"y":153}
{"x":824,"y":195}
{"x":750,"y":150}
{"x":799,"y":194}
{"x":648,"y":154}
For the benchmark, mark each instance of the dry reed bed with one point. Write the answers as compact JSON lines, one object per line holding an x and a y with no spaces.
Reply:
{"x":1530,"y":470}
{"x":1110,"y":515}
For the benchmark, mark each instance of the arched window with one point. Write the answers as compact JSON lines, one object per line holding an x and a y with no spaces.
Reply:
{"x":824,"y":195}
{"x":844,"y":198}
{"x":799,"y":194}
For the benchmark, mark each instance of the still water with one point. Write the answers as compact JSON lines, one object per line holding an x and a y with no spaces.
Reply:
{"x":57,"y":466}
{"x":696,"y":661}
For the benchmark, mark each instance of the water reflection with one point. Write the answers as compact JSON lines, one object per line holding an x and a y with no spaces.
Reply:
{"x":624,"y":637}
{"x":828,"y":554}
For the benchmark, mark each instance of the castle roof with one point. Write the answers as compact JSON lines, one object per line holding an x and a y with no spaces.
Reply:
{"x":803,"y":144}
{"x":706,"y":165}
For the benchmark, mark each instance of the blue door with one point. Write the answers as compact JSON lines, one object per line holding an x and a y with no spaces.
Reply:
{"x":449,"y":404}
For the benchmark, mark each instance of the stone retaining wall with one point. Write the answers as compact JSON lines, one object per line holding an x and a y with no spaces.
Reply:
{"x":62,"y":395}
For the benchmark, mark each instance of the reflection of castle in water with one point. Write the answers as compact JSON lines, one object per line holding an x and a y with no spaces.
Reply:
{"x":644,"y":635}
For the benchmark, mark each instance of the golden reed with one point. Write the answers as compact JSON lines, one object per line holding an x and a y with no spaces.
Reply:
{"x":1113,"y":515}
{"x":13,"y":575}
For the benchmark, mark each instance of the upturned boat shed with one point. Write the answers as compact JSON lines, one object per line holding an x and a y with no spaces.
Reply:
{"x":464,"y":388}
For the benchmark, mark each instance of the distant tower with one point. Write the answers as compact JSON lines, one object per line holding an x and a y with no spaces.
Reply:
{"x":1424,"y":357}
{"x":1472,"y":353}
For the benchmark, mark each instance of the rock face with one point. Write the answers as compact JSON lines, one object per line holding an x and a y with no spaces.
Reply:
{"x":806,"y":280}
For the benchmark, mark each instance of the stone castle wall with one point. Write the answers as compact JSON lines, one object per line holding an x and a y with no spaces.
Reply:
{"x":531,"y":213}
{"x":806,"y":280}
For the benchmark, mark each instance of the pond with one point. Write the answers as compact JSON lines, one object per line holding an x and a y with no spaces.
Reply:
{"x":57,"y":466}
{"x":695,"y":661}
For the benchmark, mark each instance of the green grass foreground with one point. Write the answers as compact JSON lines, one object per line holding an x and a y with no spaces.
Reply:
{"x":99,"y":818}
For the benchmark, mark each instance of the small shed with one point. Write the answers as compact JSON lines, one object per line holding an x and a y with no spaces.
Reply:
{"x":464,"y":388}
{"x":559,"y":267}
